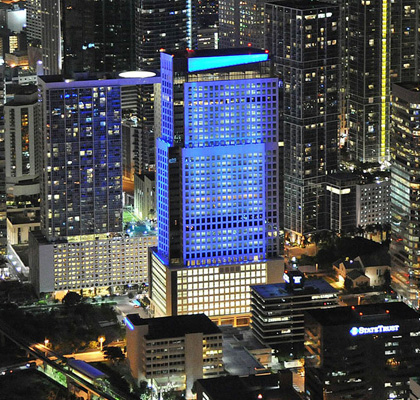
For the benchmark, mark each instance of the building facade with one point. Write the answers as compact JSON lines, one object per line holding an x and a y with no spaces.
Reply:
{"x":369,"y":82}
{"x":241,"y":23}
{"x":98,"y":35}
{"x":405,"y":192}
{"x":373,"y":202}
{"x":43,"y":21}
{"x":22,"y":117}
{"x":176,"y":350}
{"x":81,"y":243}
{"x":367,"y":352}
{"x":89,"y":266}
{"x":145,"y":196}
{"x":341,"y":199}
{"x":278,"y":309}
{"x":216,"y":181}
{"x":303,"y":39}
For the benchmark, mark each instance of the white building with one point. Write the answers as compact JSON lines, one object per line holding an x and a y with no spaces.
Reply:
{"x":373,"y":202}
{"x":90,"y":265}
{"x":173,"y":352}
{"x":22,"y":117}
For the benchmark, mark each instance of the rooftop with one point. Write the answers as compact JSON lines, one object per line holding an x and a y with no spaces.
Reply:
{"x":280,"y":289}
{"x":86,"y":369}
{"x":178,"y":326}
{"x":94,"y":80}
{"x":216,"y":52}
{"x":271,"y":387}
{"x":380,"y":312}
{"x":354,"y":274}
{"x":302,"y":4}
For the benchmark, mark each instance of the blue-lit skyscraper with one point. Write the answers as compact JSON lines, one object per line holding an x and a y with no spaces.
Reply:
{"x":217,"y":187}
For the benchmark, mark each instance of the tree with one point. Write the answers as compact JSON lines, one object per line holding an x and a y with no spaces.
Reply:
{"x":113,"y":353}
{"x":71,"y":299}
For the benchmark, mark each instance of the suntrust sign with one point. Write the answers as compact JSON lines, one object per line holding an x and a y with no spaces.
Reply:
{"x":361,"y":330}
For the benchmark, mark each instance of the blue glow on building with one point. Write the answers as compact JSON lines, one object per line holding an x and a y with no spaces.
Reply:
{"x":128,"y":324}
{"x":227,"y":163}
{"x":202,"y":63}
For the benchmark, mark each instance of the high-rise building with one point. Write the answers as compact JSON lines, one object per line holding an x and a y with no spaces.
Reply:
{"x":160,"y":26}
{"x":208,"y":24}
{"x":303,"y":40}
{"x":168,"y":25}
{"x":98,"y":35}
{"x":341,"y":202}
{"x":22,"y":126}
{"x":405,"y":192}
{"x":216,"y":183}
{"x":43,"y":21}
{"x":404,"y":42}
{"x":241,"y":23}
{"x":3,"y":208}
{"x":369,"y":84}
{"x":22,"y":120}
{"x":81,"y":244}
{"x":361,"y":352}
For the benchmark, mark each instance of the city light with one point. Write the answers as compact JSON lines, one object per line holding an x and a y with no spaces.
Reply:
{"x":202,"y":63}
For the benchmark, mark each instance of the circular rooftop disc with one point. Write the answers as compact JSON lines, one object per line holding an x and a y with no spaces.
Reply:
{"x":137,"y":74}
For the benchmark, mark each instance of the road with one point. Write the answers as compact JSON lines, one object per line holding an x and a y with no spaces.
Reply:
{"x":90,"y":356}
{"x":124,"y":307}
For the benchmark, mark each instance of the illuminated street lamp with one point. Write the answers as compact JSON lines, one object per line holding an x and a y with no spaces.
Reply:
{"x":46,"y":342}
{"x":101,"y":340}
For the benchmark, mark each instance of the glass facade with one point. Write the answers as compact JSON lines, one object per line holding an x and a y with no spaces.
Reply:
{"x":303,"y":40}
{"x":217,"y":190}
{"x":405,"y":192}
{"x":81,"y":187}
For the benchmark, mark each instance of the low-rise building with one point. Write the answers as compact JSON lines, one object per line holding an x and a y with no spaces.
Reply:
{"x":368,"y":269}
{"x":174,"y":351}
{"x":91,"y":265}
{"x":278,"y":309}
{"x":274,"y":387}
{"x":373,"y":201}
{"x":145,"y":195}
{"x":361,"y":352}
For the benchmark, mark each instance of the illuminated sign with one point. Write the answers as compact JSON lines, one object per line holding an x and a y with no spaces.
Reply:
{"x":297,"y":279}
{"x":203,"y":63}
{"x":361,"y":330}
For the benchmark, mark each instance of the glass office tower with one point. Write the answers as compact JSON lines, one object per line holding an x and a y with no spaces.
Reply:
{"x":217,"y":189}
{"x":303,"y":40}
{"x":405,"y":192}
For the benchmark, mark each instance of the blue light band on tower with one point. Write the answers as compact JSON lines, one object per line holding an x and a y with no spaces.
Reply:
{"x":202,"y":63}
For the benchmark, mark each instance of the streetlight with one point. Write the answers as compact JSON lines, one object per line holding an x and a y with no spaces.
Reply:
{"x":46,"y":342}
{"x":101,"y":340}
